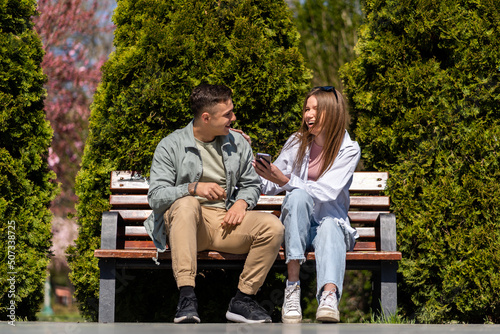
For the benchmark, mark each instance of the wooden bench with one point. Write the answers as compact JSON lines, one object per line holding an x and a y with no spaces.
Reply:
{"x":125,"y":243}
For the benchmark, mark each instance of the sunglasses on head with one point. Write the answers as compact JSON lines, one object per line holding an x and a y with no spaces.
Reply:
{"x":328,"y":89}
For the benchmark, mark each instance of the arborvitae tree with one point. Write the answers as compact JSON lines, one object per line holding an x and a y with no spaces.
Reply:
{"x":426,"y":93}
{"x":163,"y":50}
{"x":26,"y":186}
{"x":328,"y":34}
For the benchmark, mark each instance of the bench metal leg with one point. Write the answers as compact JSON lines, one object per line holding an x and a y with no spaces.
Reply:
{"x":385,"y":289}
{"x":389,"y":288}
{"x":385,"y":295}
{"x":107,"y":289}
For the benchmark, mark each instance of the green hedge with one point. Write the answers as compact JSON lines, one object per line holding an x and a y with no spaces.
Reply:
{"x":163,"y":50}
{"x":425,"y":93}
{"x":26,"y":184}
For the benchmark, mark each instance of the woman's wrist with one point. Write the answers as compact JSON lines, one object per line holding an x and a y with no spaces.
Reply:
{"x":283,"y":181}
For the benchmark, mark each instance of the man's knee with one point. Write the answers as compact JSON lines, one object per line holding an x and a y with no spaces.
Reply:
{"x":186,"y":202}
{"x":264,"y":224}
{"x":184,"y":209}
{"x":278,"y":227}
{"x":275,"y":228}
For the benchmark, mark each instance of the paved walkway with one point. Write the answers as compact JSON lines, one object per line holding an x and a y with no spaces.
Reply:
{"x":160,"y":328}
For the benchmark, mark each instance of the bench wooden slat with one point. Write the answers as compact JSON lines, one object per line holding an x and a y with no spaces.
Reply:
{"x":274,"y":202}
{"x":136,"y":231}
{"x":140,"y":232}
{"x":366,"y":232}
{"x":356,"y":202}
{"x":366,"y":217}
{"x":369,"y":182}
{"x":134,"y":215}
{"x":370,"y":202}
{"x":129,"y":201}
{"x":128,"y":181}
{"x":365,"y":246}
{"x":362,"y":202}
{"x":131,"y":182}
{"x":148,"y":244}
{"x":211,"y":255}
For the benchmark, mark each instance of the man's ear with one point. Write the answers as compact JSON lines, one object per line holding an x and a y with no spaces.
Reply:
{"x":205,"y":117}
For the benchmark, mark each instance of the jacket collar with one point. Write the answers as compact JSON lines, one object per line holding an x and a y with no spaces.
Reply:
{"x":188,"y":137}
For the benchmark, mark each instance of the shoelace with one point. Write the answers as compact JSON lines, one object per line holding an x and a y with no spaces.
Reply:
{"x":187,"y":301}
{"x":252,"y":305}
{"x":329,"y":298}
{"x":292,"y":303}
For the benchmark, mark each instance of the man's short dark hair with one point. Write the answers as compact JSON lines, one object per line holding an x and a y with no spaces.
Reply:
{"x":205,"y":96}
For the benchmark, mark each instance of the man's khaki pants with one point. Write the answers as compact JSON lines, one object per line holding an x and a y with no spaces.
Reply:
{"x":192,"y":228}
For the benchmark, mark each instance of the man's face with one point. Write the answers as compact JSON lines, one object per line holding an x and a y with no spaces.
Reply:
{"x":220,"y":119}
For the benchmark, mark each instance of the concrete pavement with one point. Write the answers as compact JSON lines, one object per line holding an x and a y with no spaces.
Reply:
{"x":230,"y":328}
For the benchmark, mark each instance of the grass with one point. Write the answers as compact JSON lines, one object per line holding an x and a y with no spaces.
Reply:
{"x":390,"y":319}
{"x":62,"y":314}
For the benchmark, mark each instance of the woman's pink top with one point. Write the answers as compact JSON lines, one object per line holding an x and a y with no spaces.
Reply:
{"x":314,"y":162}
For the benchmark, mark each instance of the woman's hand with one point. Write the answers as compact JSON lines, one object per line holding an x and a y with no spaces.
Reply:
{"x":247,"y":137}
{"x":270,"y":172}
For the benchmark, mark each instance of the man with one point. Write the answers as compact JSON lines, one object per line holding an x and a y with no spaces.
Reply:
{"x":202,"y":183}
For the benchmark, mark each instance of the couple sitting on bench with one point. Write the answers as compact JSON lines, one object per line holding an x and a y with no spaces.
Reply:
{"x":204,"y":182}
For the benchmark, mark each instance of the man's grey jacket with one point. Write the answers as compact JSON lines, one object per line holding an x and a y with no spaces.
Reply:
{"x":177,"y":162}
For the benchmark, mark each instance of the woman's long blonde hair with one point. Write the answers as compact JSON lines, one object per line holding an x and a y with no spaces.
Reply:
{"x":332,"y":112}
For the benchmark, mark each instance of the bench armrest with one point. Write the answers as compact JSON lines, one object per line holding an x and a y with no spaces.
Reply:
{"x":387,"y":225}
{"x":112,"y":227}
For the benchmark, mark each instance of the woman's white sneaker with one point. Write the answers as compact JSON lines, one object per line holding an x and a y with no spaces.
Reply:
{"x":291,"y":313}
{"x":328,"y":307}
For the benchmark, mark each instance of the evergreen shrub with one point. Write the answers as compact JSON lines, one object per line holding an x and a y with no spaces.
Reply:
{"x":26,"y":183}
{"x":328,"y":31}
{"x":163,"y":50}
{"x":425,"y":93}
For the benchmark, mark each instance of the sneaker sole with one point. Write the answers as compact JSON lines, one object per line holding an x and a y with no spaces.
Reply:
{"x":291,"y":320}
{"x":239,"y":318}
{"x":187,"y":320}
{"x":328,"y":316}
{"x":297,"y":319}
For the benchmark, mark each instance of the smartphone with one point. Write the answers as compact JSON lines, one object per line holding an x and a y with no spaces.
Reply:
{"x":264,"y":156}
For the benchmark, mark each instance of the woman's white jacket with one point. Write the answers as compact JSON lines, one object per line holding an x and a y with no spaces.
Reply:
{"x":330,"y":192}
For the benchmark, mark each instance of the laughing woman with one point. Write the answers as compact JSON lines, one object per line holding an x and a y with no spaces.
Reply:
{"x":315,"y":168}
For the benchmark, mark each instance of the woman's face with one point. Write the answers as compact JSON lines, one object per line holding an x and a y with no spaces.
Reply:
{"x":311,"y":116}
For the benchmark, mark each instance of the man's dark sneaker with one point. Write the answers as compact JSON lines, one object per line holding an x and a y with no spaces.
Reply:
{"x":187,"y":310}
{"x":246,"y":310}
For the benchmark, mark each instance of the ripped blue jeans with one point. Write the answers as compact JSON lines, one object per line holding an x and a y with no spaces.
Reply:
{"x":326,"y":238}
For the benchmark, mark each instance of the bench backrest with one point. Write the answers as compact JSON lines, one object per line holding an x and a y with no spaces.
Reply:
{"x":129,"y":198}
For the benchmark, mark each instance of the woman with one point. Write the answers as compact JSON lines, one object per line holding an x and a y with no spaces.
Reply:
{"x":315,"y":168}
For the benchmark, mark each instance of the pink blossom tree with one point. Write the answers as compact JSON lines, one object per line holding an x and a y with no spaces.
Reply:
{"x":77,"y":38}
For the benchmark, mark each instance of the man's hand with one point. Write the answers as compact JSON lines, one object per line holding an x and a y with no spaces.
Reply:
{"x":235,"y":214}
{"x":270,"y":172}
{"x":211,"y":191}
